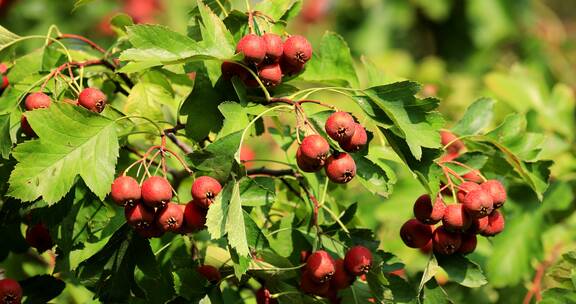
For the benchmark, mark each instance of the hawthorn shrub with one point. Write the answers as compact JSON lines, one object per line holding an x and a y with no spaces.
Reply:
{"x":124,"y":163}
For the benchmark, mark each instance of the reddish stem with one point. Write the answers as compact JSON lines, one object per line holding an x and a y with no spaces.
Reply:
{"x":540,"y":271}
{"x":83,"y":39}
{"x":69,"y":65}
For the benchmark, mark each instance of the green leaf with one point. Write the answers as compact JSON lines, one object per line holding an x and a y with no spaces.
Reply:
{"x":429,"y":272}
{"x":274,"y":8}
{"x":146,"y":99}
{"x":563,"y":272}
{"x":462,"y":271}
{"x":216,"y":38}
{"x":73,"y":141}
{"x":258,"y":191}
{"x":7,"y":38}
{"x":235,"y":118}
{"x":5,"y":140}
{"x":376,"y":177}
{"x":558,"y":296}
{"x":218,"y":213}
{"x":217,"y":160}
{"x":42,"y":288}
{"x":477,"y":117}
{"x":434,"y":294}
{"x":235,"y":226}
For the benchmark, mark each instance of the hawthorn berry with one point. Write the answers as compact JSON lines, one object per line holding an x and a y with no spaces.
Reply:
{"x":5,"y":83}
{"x":170,"y":217}
{"x":274,"y":47}
{"x":139,"y":215}
{"x":3,"y":68}
{"x":194,"y":217}
{"x":209,"y":272}
{"x":156,"y":191}
{"x":315,"y":149}
{"x":415,"y":234}
{"x":455,"y":218}
{"x":320,"y":266}
{"x":253,"y":47}
{"x":38,"y":236}
{"x":358,"y":260}
{"x":306,"y":164}
{"x":263,"y":296}
{"x":297,"y":50}
{"x":478,"y":203}
{"x":464,"y":188}
{"x":92,"y":99}
{"x":230,"y":69}
{"x":289,"y":69}
{"x":495,"y":224}
{"x":340,"y":126}
{"x":340,"y":168}
{"x":125,"y":190}
{"x":478,"y":225}
{"x":342,"y":278}
{"x":427,"y":212}
{"x":10,"y":292}
{"x":270,"y":75}
{"x":308,"y":285}
{"x":357,"y":141}
{"x":496,"y":191}
{"x":25,"y":126}
{"x":446,"y":242}
{"x":468,"y":243}
{"x":455,"y":145}
{"x":204,"y":191}
{"x":37,"y":100}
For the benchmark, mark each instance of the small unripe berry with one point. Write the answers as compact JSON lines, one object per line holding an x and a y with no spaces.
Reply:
{"x":139,"y":216}
{"x":92,"y":99}
{"x":427,"y":212}
{"x":253,"y":48}
{"x":495,"y":224}
{"x":263,"y":296}
{"x":209,"y":272}
{"x":315,"y":149}
{"x":25,"y":126}
{"x":320,"y":266}
{"x":340,"y":126}
{"x":468,"y":244}
{"x":306,"y":164}
{"x":270,"y":75}
{"x":37,"y":100}
{"x":446,"y":242}
{"x":170,"y":217}
{"x":230,"y":69}
{"x":156,"y":191}
{"x":478,"y":203}
{"x":496,"y":190}
{"x":341,"y":279}
{"x":194,"y":217}
{"x":125,"y":190}
{"x":308,"y":285}
{"x":204,"y":191}
{"x":456,"y":145}
{"x":464,"y":188}
{"x":357,"y":141}
{"x":455,"y":218}
{"x":38,"y":236}
{"x":297,"y":50}
{"x":340,"y":168}
{"x":358,"y":260}
{"x":415,"y":234}
{"x":10,"y":292}
{"x":274,"y":47}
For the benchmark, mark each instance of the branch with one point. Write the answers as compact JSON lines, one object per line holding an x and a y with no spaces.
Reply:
{"x":170,"y":133}
{"x":272,"y":172}
{"x":540,"y":271}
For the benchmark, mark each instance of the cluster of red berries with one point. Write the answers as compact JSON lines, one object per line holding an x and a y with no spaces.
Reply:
{"x":4,"y":81}
{"x":340,"y":167}
{"x":148,"y":208}
{"x":90,"y":98}
{"x":269,"y":57}
{"x":10,"y":292}
{"x":323,"y":276}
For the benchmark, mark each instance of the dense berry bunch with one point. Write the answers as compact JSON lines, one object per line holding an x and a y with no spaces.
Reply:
{"x":269,"y":57}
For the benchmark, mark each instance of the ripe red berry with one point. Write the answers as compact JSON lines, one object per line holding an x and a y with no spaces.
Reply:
{"x":204,"y":191}
{"x":415,"y":234}
{"x":468,"y":244}
{"x":340,"y":168}
{"x":92,"y":99}
{"x":427,"y":212}
{"x":288,"y":69}
{"x":253,"y":48}
{"x":263,"y":296}
{"x":139,"y":216}
{"x":342,"y":278}
{"x":209,"y":272}
{"x":194,"y":217}
{"x":308,"y":285}
{"x":270,"y":75}
{"x":297,"y":50}
{"x":358,"y":260}
{"x":37,"y":100}
{"x":38,"y":236}
{"x":340,"y":126}
{"x":3,"y":68}
{"x":478,"y":203}
{"x":10,"y":292}
{"x":170,"y":217}
{"x":5,"y":83}
{"x":315,"y":149}
{"x":495,"y":224}
{"x":357,"y":141}
{"x":156,"y":191}
{"x":455,"y":218}
{"x":306,"y":164}
{"x":274,"y":47}
{"x":230,"y":69}
{"x":25,"y":126}
{"x":464,"y":188}
{"x":496,"y":190}
{"x":320,"y":266}
{"x":446,"y":242}
{"x":125,"y":190}
{"x":455,"y":144}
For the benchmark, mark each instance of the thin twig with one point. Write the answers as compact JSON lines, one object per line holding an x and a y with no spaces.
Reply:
{"x":540,"y":271}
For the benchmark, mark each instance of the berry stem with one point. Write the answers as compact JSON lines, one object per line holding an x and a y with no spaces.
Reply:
{"x":83,"y":39}
{"x":336,"y":218}
{"x":540,"y":271}
{"x":466,"y":167}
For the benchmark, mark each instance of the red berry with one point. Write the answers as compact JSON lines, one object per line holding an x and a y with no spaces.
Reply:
{"x":125,"y":190}
{"x":468,"y":244}
{"x":204,"y":191}
{"x":25,"y":126}
{"x":357,"y":141}
{"x":429,"y":213}
{"x":37,"y":100}
{"x":38,"y":236}
{"x":455,"y":218}
{"x":320,"y":266}
{"x":473,"y":176}
{"x":170,"y":217}
{"x":446,"y":242}
{"x":288,"y":69}
{"x":426,"y":249}
{"x":92,"y":99}
{"x":274,"y":47}
{"x":496,"y":190}
{"x":495,"y":224}
{"x":5,"y":83}
{"x":149,"y":231}
{"x":10,"y":292}
{"x":263,"y":296}
{"x":315,"y":149}
{"x":230,"y":69}
{"x":341,"y":279}
{"x":297,"y":50}
{"x":194,"y":217}
{"x":358,"y":260}
{"x":139,"y":216}
{"x":211,"y":273}
{"x":456,"y":145}
{"x":156,"y":191}
{"x":247,"y":155}
{"x":308,"y":285}
{"x":305,"y":164}
{"x":253,"y":48}
{"x":415,"y":234}
{"x":478,"y":203}
{"x":270,"y":75}
{"x":3,"y":68}
{"x":464,"y":188}
{"x":340,"y":168}
{"x":340,"y":126}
